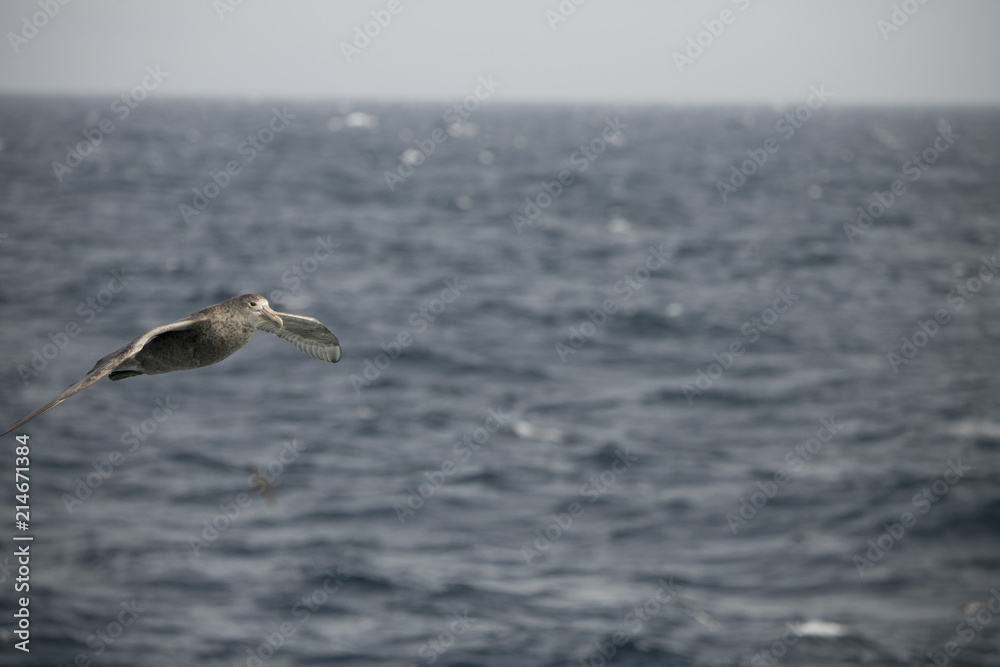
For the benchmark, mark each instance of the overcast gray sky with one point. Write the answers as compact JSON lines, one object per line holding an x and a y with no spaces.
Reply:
{"x":766,"y":51}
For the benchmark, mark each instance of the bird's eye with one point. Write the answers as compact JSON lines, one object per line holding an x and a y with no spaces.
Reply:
{"x":252,"y":303}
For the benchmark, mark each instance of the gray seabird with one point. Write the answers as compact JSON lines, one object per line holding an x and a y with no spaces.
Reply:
{"x":201,"y":339}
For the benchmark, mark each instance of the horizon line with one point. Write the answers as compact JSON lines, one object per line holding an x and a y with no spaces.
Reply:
{"x":253,"y":99}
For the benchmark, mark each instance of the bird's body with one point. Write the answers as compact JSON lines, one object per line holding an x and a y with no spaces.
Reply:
{"x":201,"y":339}
{"x":201,"y":345}
{"x":207,"y":341}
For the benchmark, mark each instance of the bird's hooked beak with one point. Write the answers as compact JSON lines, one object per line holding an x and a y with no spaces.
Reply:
{"x":269,"y":314}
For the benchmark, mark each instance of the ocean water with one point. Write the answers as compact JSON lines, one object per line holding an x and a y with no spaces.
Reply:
{"x":654,"y":420}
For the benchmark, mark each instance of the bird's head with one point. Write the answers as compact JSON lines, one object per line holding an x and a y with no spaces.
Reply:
{"x":258,"y":310}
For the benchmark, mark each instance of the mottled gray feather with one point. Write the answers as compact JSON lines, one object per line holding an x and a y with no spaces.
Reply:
{"x":306,"y":333}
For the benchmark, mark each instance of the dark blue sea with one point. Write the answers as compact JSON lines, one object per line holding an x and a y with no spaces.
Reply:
{"x":620,"y":385}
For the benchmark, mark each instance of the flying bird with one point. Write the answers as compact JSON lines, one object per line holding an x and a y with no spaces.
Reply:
{"x":203,"y":338}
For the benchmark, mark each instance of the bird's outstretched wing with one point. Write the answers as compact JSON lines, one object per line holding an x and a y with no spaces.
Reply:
{"x":106,"y":365}
{"x":306,"y":333}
